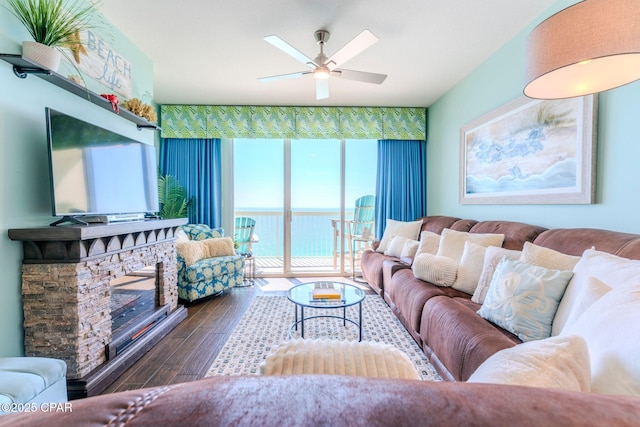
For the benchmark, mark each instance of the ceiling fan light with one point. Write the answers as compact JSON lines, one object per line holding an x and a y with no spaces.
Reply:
{"x":586,"y":48}
{"x":321,"y":73}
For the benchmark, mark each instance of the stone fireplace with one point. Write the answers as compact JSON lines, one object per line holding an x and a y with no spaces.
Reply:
{"x":68,"y":278}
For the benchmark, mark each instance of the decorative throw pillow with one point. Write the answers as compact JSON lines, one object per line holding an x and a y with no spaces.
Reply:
{"x":592,"y":292}
{"x":452,"y":242}
{"x":192,"y":251}
{"x":611,"y":327}
{"x":523,"y":298}
{"x":556,"y":362}
{"x":492,"y":257}
{"x":547,"y":258}
{"x":613,"y":270}
{"x":429,"y":242}
{"x":220,"y":246}
{"x":398,"y":228}
{"x":409,"y":249}
{"x":395,"y":246}
{"x":439,"y":270}
{"x":470,"y":268}
{"x":181,"y":236}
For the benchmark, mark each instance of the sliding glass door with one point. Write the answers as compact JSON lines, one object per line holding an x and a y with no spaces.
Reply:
{"x":258,"y":193}
{"x":315,"y":189}
{"x":302,"y":195}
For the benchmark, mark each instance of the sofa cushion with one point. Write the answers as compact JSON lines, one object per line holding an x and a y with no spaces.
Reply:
{"x":395,"y":246}
{"x":408,"y":295}
{"x":547,"y":258}
{"x":523,"y":298}
{"x":192,"y":251}
{"x":452,"y":242}
{"x":613,"y":270}
{"x":409,"y":249}
{"x":439,"y":270}
{"x":591,"y":292}
{"x":221,"y":246}
{"x":556,"y":362}
{"x":492,"y":258}
{"x":460,"y":338}
{"x":208,"y":269}
{"x":201,"y":231}
{"x":196,"y":250}
{"x":394,"y":228}
{"x":23,"y":379}
{"x":611,"y":327}
{"x":429,"y":242}
{"x":470,"y":267}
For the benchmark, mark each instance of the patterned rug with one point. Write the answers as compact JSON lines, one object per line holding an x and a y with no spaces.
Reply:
{"x":268,"y":320}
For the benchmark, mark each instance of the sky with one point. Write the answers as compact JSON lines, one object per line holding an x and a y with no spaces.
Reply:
{"x":315,"y":173}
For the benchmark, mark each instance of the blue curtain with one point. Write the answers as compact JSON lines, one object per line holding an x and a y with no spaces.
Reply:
{"x":196,"y":164}
{"x":401,"y":182}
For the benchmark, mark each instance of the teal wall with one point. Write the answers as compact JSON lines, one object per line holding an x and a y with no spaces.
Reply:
{"x":500,"y":80}
{"x":24,"y":176}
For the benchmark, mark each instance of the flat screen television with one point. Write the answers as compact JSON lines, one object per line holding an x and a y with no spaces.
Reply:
{"x":99,"y":175}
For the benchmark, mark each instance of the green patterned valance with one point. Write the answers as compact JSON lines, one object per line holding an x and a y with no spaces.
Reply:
{"x":214,"y":121}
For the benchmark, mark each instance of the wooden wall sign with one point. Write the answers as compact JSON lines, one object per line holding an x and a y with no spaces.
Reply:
{"x":104,"y":64}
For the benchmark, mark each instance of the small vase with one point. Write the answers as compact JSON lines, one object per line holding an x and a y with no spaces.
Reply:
{"x":44,"y":55}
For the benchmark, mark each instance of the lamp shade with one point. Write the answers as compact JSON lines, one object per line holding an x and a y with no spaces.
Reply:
{"x":586,"y":48}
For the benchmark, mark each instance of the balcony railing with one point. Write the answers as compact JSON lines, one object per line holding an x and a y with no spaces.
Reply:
{"x":312,"y":238}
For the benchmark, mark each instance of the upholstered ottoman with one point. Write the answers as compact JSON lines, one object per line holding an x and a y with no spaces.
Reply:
{"x":28,"y":382}
{"x":364,"y":359}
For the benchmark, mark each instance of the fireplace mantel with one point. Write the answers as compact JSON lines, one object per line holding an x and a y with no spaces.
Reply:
{"x":75,"y":243}
{"x":66,"y":294}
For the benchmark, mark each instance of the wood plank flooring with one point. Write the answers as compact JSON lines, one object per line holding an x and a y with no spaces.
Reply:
{"x":186,"y":352}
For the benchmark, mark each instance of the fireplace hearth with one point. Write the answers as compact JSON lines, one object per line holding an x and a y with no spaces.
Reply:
{"x":98,"y":296}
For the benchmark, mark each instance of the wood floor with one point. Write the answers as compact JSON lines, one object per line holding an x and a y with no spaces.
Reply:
{"x":186,"y":353}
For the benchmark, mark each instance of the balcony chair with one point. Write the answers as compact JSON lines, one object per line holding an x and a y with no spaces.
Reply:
{"x":207,"y":262}
{"x":243,"y":235}
{"x":357,"y":231}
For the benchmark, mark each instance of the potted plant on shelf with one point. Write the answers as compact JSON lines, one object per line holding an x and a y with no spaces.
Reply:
{"x":52,"y":24}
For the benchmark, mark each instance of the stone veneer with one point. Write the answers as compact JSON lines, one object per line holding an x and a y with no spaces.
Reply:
{"x":67,"y":306}
{"x":66,"y":292}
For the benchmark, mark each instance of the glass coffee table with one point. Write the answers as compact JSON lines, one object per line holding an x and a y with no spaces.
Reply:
{"x":302,"y":297}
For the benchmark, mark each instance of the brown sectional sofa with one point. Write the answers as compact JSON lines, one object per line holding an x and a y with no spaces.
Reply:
{"x":325,"y":400}
{"x":442,"y":320}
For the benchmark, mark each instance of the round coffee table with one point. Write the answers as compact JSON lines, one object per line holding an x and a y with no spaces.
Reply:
{"x":302,"y":297}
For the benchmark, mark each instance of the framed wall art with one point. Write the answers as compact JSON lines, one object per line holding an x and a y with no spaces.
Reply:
{"x":531,"y":152}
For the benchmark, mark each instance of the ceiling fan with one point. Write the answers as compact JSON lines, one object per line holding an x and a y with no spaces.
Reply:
{"x":322,"y":67}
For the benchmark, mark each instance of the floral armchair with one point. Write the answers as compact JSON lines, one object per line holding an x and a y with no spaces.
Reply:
{"x":207,"y":263}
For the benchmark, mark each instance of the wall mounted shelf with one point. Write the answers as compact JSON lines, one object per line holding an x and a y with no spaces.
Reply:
{"x":23,"y":67}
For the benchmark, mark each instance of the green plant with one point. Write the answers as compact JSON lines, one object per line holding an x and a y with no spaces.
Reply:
{"x":54,"y":23}
{"x":174,"y":202}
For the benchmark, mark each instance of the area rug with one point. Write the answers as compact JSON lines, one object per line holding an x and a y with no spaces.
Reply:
{"x":267,"y":321}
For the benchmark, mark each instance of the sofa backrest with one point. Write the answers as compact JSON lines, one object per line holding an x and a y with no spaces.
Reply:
{"x":574,"y":241}
{"x":515,"y":233}
{"x":571,"y":241}
{"x":437,"y":223}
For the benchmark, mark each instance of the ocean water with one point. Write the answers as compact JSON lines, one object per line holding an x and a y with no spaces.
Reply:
{"x":311,"y":231}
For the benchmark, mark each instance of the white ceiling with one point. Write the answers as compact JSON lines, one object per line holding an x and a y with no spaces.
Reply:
{"x":212,"y":52}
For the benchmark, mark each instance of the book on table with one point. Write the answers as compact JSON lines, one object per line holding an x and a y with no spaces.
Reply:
{"x":324,"y":291}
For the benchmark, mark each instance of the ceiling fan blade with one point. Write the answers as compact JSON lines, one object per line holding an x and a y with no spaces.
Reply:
{"x":284,"y":76}
{"x":360,"y":76}
{"x":322,"y":88}
{"x":290,"y":50}
{"x":359,"y":43}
